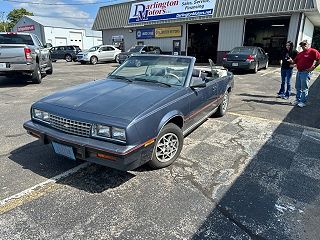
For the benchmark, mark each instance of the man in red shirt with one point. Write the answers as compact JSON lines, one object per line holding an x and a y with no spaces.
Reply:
{"x":306,"y":62}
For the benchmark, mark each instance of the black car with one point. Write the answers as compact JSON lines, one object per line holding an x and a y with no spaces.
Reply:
{"x":69,"y":53}
{"x":139,"y":49}
{"x":246,"y":58}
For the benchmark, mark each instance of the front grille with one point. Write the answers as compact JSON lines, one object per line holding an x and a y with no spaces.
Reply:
{"x":70,"y":126}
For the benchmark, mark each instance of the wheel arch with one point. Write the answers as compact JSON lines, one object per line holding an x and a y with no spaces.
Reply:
{"x":174,"y":117}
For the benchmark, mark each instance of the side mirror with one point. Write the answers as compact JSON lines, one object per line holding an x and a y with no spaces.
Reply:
{"x":197,"y":82}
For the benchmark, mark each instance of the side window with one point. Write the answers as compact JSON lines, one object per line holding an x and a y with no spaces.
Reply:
{"x":70,"y":48}
{"x":151,"y":48}
{"x":103,"y":49}
{"x":38,"y":41}
{"x":110,"y":49}
{"x":61,"y":48}
{"x":263,"y":52}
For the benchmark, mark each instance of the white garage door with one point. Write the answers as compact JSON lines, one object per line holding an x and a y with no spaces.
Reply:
{"x":60,"y":41}
{"x":76,"y":39}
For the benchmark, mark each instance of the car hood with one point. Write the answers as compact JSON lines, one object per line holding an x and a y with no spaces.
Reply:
{"x":111,"y":98}
{"x":126,"y":54}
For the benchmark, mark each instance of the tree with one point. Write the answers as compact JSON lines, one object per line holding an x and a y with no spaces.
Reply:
{"x":4,"y":26}
{"x":15,"y":15}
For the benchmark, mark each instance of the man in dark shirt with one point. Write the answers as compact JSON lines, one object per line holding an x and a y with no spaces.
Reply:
{"x":306,"y":62}
{"x":286,"y":70}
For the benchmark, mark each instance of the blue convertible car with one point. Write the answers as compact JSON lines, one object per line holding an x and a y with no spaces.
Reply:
{"x":140,"y":113}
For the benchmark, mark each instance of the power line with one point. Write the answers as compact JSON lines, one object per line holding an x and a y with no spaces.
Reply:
{"x":58,"y":4}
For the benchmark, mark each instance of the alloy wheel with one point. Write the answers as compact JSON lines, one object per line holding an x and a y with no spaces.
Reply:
{"x":167,"y":147}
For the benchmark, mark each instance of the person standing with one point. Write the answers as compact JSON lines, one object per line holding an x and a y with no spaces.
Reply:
{"x":286,"y":70}
{"x":307,"y":60}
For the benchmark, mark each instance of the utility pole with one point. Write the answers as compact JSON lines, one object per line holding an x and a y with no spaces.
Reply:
{"x":2,"y":15}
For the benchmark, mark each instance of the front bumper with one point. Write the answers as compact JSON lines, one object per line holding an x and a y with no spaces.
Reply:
{"x":83,"y":59}
{"x":121,"y":157}
{"x":239,"y":65}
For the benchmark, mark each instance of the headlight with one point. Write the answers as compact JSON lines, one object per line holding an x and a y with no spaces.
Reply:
{"x":40,"y":115}
{"x":118,"y":133}
{"x":85,"y":54}
{"x":101,"y":131}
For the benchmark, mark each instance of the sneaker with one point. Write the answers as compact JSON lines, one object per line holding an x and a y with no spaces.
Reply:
{"x":285,"y":97}
{"x":295,"y":102}
{"x":280,"y":95}
{"x":301,"y":104}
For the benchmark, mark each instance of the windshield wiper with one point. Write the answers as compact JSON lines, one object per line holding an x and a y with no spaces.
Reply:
{"x":152,"y":81}
{"x":120,"y":77}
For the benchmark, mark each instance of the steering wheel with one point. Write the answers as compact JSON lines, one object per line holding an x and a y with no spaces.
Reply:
{"x":173,"y":75}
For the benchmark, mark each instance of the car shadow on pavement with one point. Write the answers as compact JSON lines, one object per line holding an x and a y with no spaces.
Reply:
{"x":277,"y":194}
{"x":13,"y":82}
{"x":41,"y":159}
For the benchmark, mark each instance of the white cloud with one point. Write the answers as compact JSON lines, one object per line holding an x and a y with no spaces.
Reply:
{"x":69,"y":13}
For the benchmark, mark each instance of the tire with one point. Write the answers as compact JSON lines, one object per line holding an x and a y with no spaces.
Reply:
{"x":116,"y":59}
{"x":68,"y":58}
{"x":93,"y":60}
{"x":267,"y":65}
{"x":255,"y":70}
{"x":223,"y":107}
{"x":50,"y":71}
{"x":169,"y":139}
{"x":36,"y":74}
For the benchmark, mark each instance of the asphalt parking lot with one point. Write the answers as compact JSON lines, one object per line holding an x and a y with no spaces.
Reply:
{"x":252,"y":174}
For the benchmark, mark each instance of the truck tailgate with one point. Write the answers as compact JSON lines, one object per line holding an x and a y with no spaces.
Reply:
{"x":13,"y":53}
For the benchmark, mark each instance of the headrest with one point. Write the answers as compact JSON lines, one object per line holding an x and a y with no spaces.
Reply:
{"x":158,"y":72}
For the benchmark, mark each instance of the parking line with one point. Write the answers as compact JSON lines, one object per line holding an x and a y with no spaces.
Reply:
{"x":269,"y":72}
{"x":36,"y":191}
{"x":275,"y":121}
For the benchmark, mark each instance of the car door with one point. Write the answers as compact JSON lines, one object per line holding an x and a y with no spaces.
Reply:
{"x":197,"y":100}
{"x":103,"y":53}
{"x":110,"y":53}
{"x":265,"y":57}
{"x":261,"y":58}
{"x":43,"y":53}
{"x":61,"y":51}
{"x":54,"y":53}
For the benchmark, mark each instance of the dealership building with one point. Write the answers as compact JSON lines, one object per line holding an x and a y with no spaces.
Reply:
{"x":58,"y":32}
{"x":209,"y":28}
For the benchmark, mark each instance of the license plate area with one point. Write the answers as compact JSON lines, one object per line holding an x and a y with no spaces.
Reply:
{"x":235,"y":64}
{"x":3,"y":65}
{"x":63,"y":150}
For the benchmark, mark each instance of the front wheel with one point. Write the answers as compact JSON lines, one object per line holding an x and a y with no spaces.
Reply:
{"x":167,"y":147}
{"x":68,"y":58}
{"x":94,"y":60}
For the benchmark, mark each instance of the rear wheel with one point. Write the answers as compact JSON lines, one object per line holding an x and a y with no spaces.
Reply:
{"x":223,"y":107}
{"x":94,"y":60}
{"x":68,"y":58}
{"x":36,"y":74}
{"x":167,"y":147}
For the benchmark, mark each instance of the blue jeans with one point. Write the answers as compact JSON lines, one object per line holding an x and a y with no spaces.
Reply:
{"x":302,"y":86}
{"x":286,"y":74}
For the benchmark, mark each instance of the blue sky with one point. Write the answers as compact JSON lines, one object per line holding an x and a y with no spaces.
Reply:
{"x":81,"y":15}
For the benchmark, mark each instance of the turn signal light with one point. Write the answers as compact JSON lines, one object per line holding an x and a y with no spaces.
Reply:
{"x":27,"y":53}
{"x":105,"y":156}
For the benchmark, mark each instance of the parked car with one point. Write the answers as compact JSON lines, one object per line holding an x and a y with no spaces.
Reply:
{"x":69,"y":53}
{"x":139,"y":49}
{"x":138,"y":114}
{"x":99,"y":53}
{"x":246,"y":58}
{"x":24,"y":54}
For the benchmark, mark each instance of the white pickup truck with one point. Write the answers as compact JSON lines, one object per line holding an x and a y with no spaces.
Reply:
{"x":23,"y":54}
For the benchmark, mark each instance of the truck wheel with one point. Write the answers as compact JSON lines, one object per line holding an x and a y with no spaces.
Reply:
{"x":167,"y":147}
{"x":223,"y":107}
{"x":50,"y":70}
{"x":36,"y":74}
{"x":93,"y":60}
{"x":68,"y":58}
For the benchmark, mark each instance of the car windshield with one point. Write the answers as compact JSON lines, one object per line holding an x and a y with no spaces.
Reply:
{"x":163,"y":70}
{"x":93,"y":49}
{"x":15,"y":39}
{"x":135,"y":49}
{"x":244,"y":50}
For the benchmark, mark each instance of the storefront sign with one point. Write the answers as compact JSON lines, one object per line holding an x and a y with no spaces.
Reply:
{"x":117,"y":38}
{"x":145,"y":33}
{"x":26,"y":28}
{"x":168,"y":32}
{"x":170,"y":9}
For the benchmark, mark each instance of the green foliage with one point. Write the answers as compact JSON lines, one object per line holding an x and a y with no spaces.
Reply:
{"x":4,"y":26}
{"x":15,"y":15}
